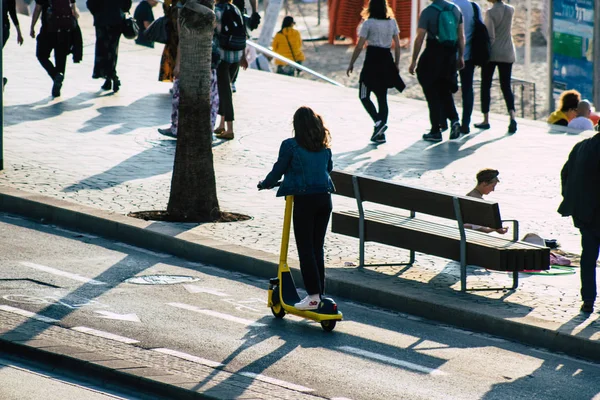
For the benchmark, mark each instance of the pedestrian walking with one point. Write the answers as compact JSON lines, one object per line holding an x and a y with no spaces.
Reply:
{"x":470,"y":11}
{"x":441,"y":23}
{"x":54,"y":36}
{"x":380,"y":71}
{"x":108,"y":21}
{"x":144,"y":16}
{"x":288,"y":43}
{"x":580,"y":179}
{"x":305,"y":163}
{"x":9,"y":8}
{"x":232,"y":42}
{"x":498,"y":21}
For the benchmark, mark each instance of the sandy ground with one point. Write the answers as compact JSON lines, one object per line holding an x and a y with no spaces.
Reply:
{"x":332,"y":60}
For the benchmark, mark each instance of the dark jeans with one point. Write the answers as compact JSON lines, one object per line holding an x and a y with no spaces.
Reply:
{"x":225,"y":74}
{"x":46,"y":43}
{"x":106,"y":51}
{"x":5,"y":34}
{"x":311,"y":216}
{"x":440,"y":102}
{"x":466,"y":89}
{"x":487,"y":74}
{"x":590,"y":245}
{"x":364,"y":93}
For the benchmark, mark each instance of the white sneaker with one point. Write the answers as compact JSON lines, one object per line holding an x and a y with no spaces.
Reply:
{"x":310,"y":302}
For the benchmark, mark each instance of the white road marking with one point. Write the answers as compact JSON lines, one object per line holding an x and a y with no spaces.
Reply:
{"x":86,"y":235}
{"x":106,"y":335}
{"x":216,"y":314}
{"x":189,"y":357}
{"x":198,"y":289}
{"x":65,"y":274}
{"x":141,"y":250}
{"x":28,"y":314}
{"x":121,"y":317}
{"x":390,"y":360}
{"x":278,"y":382}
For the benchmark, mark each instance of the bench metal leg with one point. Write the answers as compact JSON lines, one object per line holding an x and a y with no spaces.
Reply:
{"x":410,"y":262}
{"x":513,"y":287}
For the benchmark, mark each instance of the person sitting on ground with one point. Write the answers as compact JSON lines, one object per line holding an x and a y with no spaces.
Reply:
{"x":582,"y":122}
{"x":567,"y":108}
{"x":487,"y":179}
{"x":144,"y":17}
{"x":288,"y":43}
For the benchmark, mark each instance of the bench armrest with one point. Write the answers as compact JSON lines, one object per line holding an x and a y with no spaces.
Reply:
{"x":515,"y":225}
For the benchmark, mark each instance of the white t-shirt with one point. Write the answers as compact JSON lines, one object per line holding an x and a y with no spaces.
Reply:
{"x":581,"y":123}
{"x":379,"y":32}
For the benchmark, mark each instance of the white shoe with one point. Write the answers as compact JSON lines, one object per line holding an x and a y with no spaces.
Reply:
{"x":310,"y":302}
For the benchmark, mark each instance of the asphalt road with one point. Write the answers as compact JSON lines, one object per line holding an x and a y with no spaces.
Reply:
{"x":221,"y":317}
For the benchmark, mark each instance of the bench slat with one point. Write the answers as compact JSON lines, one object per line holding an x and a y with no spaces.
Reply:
{"x":442,"y":241}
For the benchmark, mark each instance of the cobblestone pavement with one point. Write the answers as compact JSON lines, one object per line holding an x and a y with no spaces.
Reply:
{"x":102,"y":150}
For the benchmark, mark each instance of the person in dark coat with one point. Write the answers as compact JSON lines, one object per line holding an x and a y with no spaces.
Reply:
{"x":581,"y":200}
{"x":108,"y":20}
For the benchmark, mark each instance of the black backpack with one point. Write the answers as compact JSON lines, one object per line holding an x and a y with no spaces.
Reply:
{"x":233,"y":34}
{"x":59,"y":16}
{"x":481,"y":48}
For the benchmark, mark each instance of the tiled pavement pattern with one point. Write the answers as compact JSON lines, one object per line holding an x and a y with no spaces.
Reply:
{"x":102,"y":150}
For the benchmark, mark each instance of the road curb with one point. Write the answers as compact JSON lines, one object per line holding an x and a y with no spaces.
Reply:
{"x":110,"y":377}
{"x":452,"y":308}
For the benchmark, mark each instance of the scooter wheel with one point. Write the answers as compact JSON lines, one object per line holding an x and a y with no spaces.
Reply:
{"x":328,"y":325}
{"x":278,"y":311}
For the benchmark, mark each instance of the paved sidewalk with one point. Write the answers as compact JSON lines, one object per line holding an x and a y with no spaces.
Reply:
{"x":102,"y":150}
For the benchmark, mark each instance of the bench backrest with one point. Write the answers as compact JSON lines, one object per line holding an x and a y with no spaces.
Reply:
{"x":426,"y":201}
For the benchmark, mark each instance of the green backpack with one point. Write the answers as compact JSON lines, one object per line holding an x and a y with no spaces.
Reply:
{"x":447,"y":26}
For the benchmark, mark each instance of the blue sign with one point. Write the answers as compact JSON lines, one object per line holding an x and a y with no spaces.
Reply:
{"x":572,"y":47}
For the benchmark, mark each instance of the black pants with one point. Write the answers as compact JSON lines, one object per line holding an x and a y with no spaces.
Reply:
{"x":364,"y":93}
{"x":311,"y":216}
{"x":440,"y":102}
{"x":57,"y":42}
{"x":487,"y":74}
{"x":590,"y":245}
{"x":5,"y":34}
{"x":466,"y":89}
{"x":106,"y":51}
{"x":225,"y":74}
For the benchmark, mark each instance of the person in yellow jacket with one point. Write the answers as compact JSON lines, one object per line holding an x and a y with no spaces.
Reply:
{"x":288,"y":43}
{"x":567,"y":108}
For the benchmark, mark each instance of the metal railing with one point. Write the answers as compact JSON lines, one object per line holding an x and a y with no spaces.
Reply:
{"x":523,"y":91}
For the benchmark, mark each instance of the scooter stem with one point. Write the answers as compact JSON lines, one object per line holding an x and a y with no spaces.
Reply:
{"x":285,"y":236}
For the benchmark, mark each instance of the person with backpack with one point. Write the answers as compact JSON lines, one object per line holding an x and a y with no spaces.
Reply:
{"x":441,"y":23}
{"x":471,"y":17}
{"x":380,"y":71}
{"x":59,"y":18}
{"x":231,"y":35}
{"x":498,"y":21}
{"x":108,"y":21}
{"x":288,"y":43}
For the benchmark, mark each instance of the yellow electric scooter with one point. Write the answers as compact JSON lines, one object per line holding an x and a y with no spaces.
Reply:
{"x":282,"y":290}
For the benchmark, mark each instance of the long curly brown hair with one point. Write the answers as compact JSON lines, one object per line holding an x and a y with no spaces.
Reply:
{"x":378,"y":9}
{"x":310,"y":131}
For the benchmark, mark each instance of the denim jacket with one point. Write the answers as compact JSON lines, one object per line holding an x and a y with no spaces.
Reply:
{"x":305,"y":172}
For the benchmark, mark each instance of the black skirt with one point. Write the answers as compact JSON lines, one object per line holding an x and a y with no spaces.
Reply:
{"x":379,"y":71}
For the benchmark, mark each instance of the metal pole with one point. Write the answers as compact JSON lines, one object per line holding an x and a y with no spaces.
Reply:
{"x":550,"y":56}
{"x":528,"y":40}
{"x":596,"y":53}
{"x":1,"y":94}
{"x":414,"y":18}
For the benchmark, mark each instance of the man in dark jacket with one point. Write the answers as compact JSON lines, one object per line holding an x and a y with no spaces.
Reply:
{"x":581,"y":199}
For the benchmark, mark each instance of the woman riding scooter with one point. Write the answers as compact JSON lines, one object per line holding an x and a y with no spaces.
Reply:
{"x":305,"y":162}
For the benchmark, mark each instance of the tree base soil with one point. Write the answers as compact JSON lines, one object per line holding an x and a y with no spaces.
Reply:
{"x":163,"y":215}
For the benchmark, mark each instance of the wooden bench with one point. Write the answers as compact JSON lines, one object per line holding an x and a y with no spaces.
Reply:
{"x":416,"y":234}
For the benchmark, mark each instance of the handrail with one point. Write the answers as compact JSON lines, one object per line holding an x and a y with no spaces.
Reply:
{"x":301,"y":67}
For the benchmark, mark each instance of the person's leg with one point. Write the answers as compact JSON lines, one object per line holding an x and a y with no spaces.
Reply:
{"x":175,"y":107}
{"x":364,"y":94}
{"x":590,"y":244}
{"x":431,"y":93}
{"x":383,"y":105}
{"x":505,"y":72}
{"x":304,"y":227}
{"x":224,"y":88}
{"x":113,"y":49}
{"x":5,"y":34}
{"x":214,"y":98}
{"x":229,"y":114}
{"x":466,"y":84}
{"x":320,"y":230}
{"x":448,"y":108}
{"x":42,"y":52}
{"x":487,"y":74}
{"x":61,"y":51}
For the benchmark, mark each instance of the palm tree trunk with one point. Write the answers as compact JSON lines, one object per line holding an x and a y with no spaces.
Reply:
{"x":193,"y":186}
